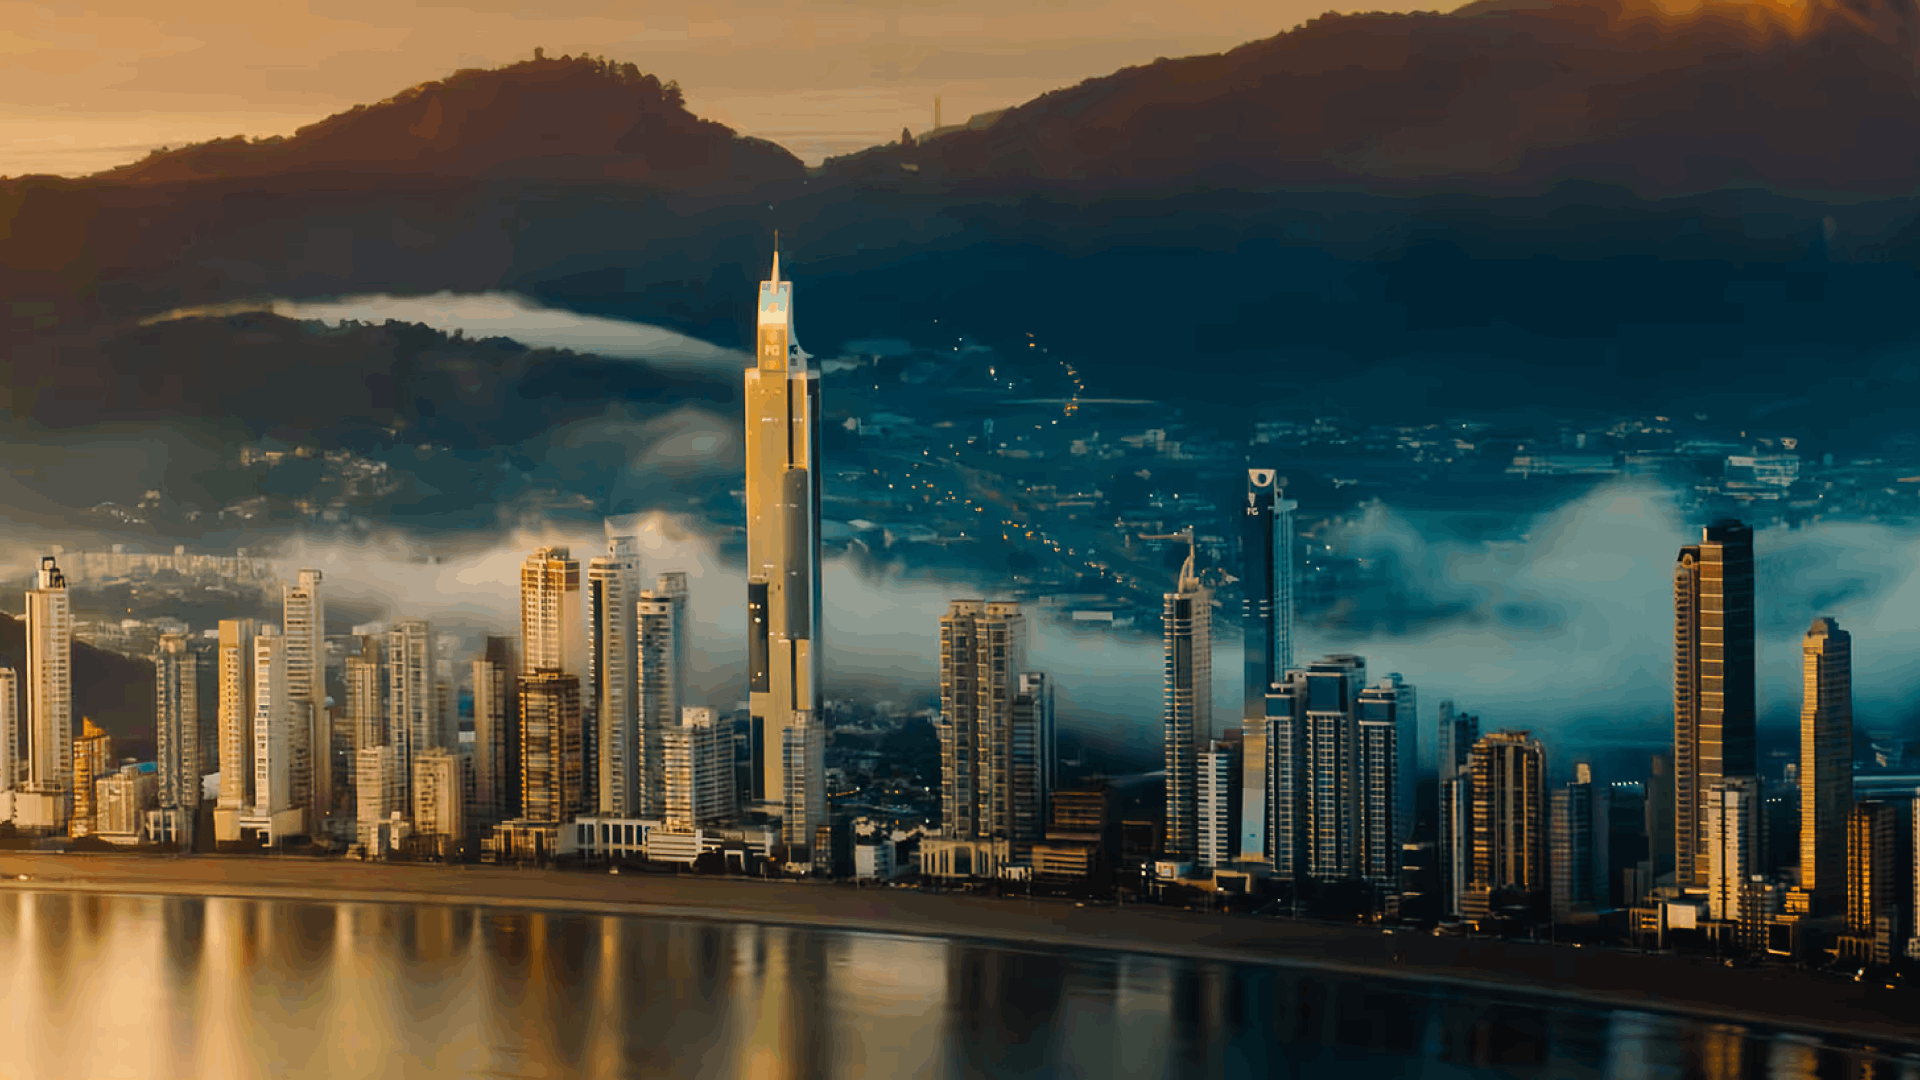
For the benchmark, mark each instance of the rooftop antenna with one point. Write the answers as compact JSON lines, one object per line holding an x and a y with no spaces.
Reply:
{"x":776,"y":257}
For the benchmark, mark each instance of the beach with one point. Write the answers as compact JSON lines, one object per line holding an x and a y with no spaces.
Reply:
{"x":1766,"y":995}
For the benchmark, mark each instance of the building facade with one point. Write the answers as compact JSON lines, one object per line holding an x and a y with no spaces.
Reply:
{"x":1713,"y":689}
{"x":1735,"y":832}
{"x":176,"y":699}
{"x":783,"y":549}
{"x":304,"y":630}
{"x":982,"y":649}
{"x":1579,"y":835}
{"x":551,"y":763}
{"x":44,"y":801}
{"x":496,"y":734}
{"x":234,"y":669}
{"x":661,"y":687}
{"x":1187,"y":711}
{"x":612,"y":679}
{"x":414,"y":721}
{"x":1387,"y":729}
{"x":1219,"y":804}
{"x":1454,"y":850}
{"x":698,"y":763}
{"x":1313,"y":778}
{"x":92,"y":761}
{"x":1509,"y":827}
{"x":1826,"y":762}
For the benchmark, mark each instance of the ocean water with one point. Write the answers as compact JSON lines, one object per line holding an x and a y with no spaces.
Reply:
{"x":100,"y":986}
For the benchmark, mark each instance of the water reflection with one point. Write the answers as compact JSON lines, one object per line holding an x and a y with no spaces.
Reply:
{"x":180,"y":987}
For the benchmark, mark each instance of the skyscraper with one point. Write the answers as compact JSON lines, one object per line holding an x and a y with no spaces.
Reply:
{"x":982,"y":649}
{"x":1734,"y":831}
{"x":1872,"y":880}
{"x":1031,"y":759}
{"x":1826,"y":761}
{"x":1458,"y":733}
{"x":612,"y":699}
{"x":1579,"y":838}
{"x":1385,"y":756}
{"x":276,"y":717}
{"x":440,"y":799}
{"x":234,"y":669}
{"x":1509,"y":827}
{"x":661,"y":632}
{"x":176,"y":699}
{"x":366,"y":686}
{"x":414,"y":721}
{"x":783,"y":546}
{"x":1218,"y":818}
{"x":1187,"y":715}
{"x":11,"y":765}
{"x":550,"y":759}
{"x":1313,"y":772}
{"x":803,"y":748}
{"x":304,"y":614}
{"x":552,"y":631}
{"x":496,"y":736}
{"x":1713,"y":685}
{"x":46,"y":799}
{"x":1266,"y":578}
{"x":304,"y":633}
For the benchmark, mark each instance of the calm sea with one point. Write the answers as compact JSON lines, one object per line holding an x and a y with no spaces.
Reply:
{"x":106,"y":986}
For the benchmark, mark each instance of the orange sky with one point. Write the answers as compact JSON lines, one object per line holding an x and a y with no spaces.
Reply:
{"x":87,"y":84}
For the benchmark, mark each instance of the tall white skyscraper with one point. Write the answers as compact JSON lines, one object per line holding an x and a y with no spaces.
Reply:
{"x":553,"y":633}
{"x":1733,"y":842}
{"x":176,"y":698}
{"x":659,"y":694}
{"x":415,"y":723}
{"x":612,"y":700}
{"x":783,"y":549}
{"x":276,"y":719}
{"x":366,"y":685}
{"x":1187,"y":713}
{"x":304,"y":618}
{"x":378,"y":789}
{"x":234,"y":668}
{"x":1386,"y":759}
{"x":46,"y":795}
{"x":803,"y":748}
{"x":1219,"y":804}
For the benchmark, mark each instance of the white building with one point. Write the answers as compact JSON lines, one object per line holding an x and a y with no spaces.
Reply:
{"x":122,"y":802}
{"x":1219,"y":804}
{"x":1733,"y":843}
{"x":414,"y":721}
{"x":304,"y":614}
{"x":612,"y":706}
{"x":274,"y":813}
{"x":698,"y":761}
{"x":440,"y":792}
{"x":235,"y":662}
{"x":44,"y":799}
{"x":803,"y":769}
{"x":661,"y":688}
{"x":1388,"y":732}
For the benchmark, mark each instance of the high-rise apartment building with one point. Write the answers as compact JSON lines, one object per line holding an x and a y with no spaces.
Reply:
{"x":1579,"y":853}
{"x":45,"y":798}
{"x":12,"y":739}
{"x":1313,"y":777}
{"x":414,"y":720}
{"x":1187,"y":713}
{"x":233,"y":668}
{"x":276,"y":718}
{"x":1219,"y":808}
{"x":440,"y":795}
{"x":379,"y":790}
{"x":1508,"y":832}
{"x":552,"y":629}
{"x":551,"y":764}
{"x":1385,"y":757}
{"x":982,"y":649}
{"x":365,"y":675}
{"x":612,"y":678}
{"x":1873,"y":873}
{"x":803,"y":765}
{"x":1826,"y":762}
{"x":1735,"y":830}
{"x":1031,"y":759}
{"x":662,"y":630}
{"x":92,"y":760}
{"x":496,"y":738}
{"x":1713,"y":685}
{"x":1454,"y":850}
{"x":176,"y":716}
{"x":304,"y":632}
{"x":698,"y":763}
{"x":783,"y":548}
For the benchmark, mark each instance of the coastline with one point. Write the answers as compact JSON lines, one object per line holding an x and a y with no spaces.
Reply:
{"x":1770,"y":997}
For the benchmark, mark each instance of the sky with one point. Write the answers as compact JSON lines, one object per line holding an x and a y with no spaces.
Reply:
{"x":89,"y":84}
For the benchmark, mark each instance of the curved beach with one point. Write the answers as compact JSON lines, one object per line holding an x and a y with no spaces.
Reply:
{"x":1769,"y":996}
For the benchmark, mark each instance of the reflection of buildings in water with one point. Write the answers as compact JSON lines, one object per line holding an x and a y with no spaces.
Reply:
{"x":1643,"y":1044}
{"x":1142,"y":995}
{"x":778,"y":1026}
{"x":226,"y":1035}
{"x":890,"y":1003}
{"x":359,"y":1014}
{"x":1793,"y":1057}
{"x":1719,"y":1051}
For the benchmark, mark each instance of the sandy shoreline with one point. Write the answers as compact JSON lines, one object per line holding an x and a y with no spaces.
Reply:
{"x":1594,"y":978}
